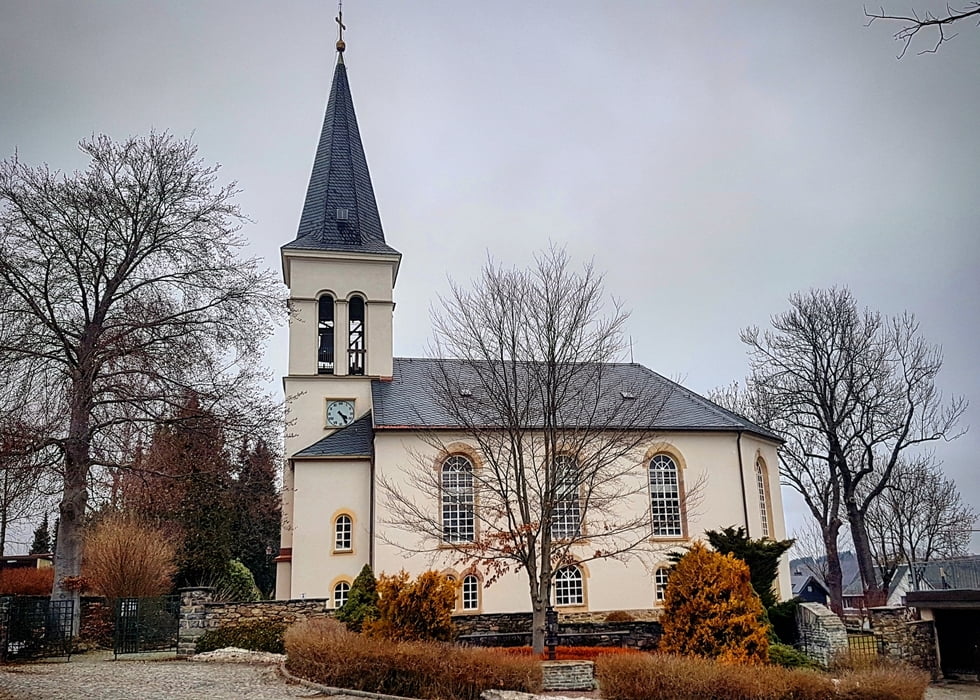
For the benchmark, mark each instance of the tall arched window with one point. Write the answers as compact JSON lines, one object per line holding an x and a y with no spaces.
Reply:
{"x":569,"y":587}
{"x":566,"y":521}
{"x":457,"y":500}
{"x":665,"y":497}
{"x":340,"y":593}
{"x":356,"y":345}
{"x":762,"y":485}
{"x":324,"y":329}
{"x":343,"y":534}
{"x":471,"y":592}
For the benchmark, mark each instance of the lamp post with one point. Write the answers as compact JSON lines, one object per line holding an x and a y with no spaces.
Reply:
{"x":551,"y":629}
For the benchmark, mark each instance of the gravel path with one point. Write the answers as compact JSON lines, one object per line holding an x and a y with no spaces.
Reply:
{"x":954,"y":691}
{"x":129,"y":679}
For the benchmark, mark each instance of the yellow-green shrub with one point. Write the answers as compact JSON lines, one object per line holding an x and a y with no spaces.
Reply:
{"x":419,"y":610}
{"x":712,"y":611}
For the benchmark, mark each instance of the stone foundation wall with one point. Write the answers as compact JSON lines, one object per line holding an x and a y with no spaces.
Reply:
{"x":578,"y":629}
{"x":821,"y":632}
{"x":568,"y":675}
{"x":905,"y":639}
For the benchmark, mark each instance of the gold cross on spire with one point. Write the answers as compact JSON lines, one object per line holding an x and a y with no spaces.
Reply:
{"x":340,"y":27}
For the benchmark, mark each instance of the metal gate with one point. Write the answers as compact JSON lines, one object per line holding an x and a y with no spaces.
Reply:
{"x":146,"y":624}
{"x":35,"y":627}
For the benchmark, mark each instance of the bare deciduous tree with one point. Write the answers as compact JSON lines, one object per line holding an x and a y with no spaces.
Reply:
{"x":804,"y":467}
{"x":919,"y":516}
{"x":560,"y":432}
{"x":121,"y":290}
{"x":910,"y":25}
{"x":857,"y":391}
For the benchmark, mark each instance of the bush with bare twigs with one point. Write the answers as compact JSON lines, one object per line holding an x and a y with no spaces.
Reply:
{"x":26,"y":581}
{"x":652,"y":677}
{"x":126,"y":557}
{"x":323,"y":651}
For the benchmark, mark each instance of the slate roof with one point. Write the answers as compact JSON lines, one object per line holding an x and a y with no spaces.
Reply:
{"x":408,"y":399}
{"x":354,"y":440}
{"x":340,"y":181}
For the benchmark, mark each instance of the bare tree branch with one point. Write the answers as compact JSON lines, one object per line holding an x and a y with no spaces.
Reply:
{"x":912,"y":24}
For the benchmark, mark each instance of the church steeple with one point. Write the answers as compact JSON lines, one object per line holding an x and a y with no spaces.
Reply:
{"x":340,"y":212}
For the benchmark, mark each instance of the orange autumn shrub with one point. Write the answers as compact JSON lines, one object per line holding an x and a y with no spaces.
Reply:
{"x":419,"y":610}
{"x":26,"y":581}
{"x":712,"y":611}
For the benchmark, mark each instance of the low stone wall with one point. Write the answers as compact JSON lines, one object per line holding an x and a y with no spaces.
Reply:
{"x":568,"y":675}
{"x":199,"y":613}
{"x":514,"y":629}
{"x":905,"y":639}
{"x":821,"y":632}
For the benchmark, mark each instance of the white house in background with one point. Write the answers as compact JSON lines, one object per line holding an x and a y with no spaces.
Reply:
{"x":357,"y":415}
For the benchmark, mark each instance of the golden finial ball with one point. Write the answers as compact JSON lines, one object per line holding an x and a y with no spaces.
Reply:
{"x":341,"y":46}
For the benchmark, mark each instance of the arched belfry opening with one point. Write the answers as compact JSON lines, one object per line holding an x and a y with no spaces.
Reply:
{"x":325,"y":332}
{"x":356,"y":340}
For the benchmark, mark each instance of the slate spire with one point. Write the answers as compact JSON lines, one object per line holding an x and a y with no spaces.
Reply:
{"x":340,"y":212}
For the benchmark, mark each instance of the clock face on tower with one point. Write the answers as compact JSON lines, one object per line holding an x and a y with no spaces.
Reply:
{"x":339,"y":413}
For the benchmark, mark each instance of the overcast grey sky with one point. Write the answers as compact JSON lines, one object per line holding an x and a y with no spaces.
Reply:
{"x":713,"y":158}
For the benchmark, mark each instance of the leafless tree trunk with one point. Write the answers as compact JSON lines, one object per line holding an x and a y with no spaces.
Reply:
{"x":120,"y":291}
{"x":560,"y":433}
{"x":925,"y":21}
{"x":857,"y":391}
{"x":918,"y":517}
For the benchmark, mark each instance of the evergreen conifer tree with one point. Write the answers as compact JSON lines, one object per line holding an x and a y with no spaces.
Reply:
{"x":362,"y":601}
{"x":42,"y":538}
{"x":761,"y":556}
{"x":711,"y":610}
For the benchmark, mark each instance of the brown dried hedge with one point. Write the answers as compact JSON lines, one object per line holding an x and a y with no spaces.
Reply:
{"x":653,"y":677}
{"x":324,"y":652}
{"x":26,"y":581}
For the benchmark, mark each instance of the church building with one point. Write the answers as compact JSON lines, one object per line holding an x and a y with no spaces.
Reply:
{"x":357,"y":418}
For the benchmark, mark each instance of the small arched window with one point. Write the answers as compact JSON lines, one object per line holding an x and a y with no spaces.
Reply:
{"x":569,"y":586}
{"x":471,"y":592}
{"x":457,"y":500}
{"x":566,"y":520}
{"x":763,"y":487}
{"x":665,"y":497}
{"x":660,"y":577}
{"x":343,"y":533}
{"x":356,"y":341}
{"x":324,"y":326}
{"x":340,"y":593}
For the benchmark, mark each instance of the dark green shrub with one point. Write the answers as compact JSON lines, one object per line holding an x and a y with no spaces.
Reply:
{"x":788,"y":657}
{"x":362,"y":601}
{"x":237,"y":584}
{"x":256,"y":635}
{"x":762,"y":557}
{"x":323,"y":651}
{"x":782,"y":617}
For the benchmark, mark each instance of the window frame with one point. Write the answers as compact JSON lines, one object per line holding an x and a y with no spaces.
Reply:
{"x":457,"y":500}
{"x":762,"y":488}
{"x":326,"y":328}
{"x":669,"y":503}
{"x":566,"y":512}
{"x":477,"y":593}
{"x":565,"y":586}
{"x":661,"y":576}
{"x":356,"y":337}
{"x":333,"y":593}
{"x":337,"y":533}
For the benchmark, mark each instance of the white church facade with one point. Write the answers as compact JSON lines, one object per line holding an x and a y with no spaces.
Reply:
{"x":359,"y":417}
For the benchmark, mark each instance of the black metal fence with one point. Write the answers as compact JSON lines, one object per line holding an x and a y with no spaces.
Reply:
{"x":35,"y":627}
{"x":146,"y":624}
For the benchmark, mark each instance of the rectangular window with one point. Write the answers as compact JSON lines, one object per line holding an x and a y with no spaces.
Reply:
{"x":665,"y":499}
{"x":566,"y":519}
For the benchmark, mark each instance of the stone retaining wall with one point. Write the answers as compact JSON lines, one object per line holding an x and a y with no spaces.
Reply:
{"x":199,"y":613}
{"x":821,"y":632}
{"x":578,"y":629}
{"x":905,"y":639}
{"x":568,"y":675}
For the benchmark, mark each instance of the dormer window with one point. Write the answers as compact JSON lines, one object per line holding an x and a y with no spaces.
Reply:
{"x":342,"y":214}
